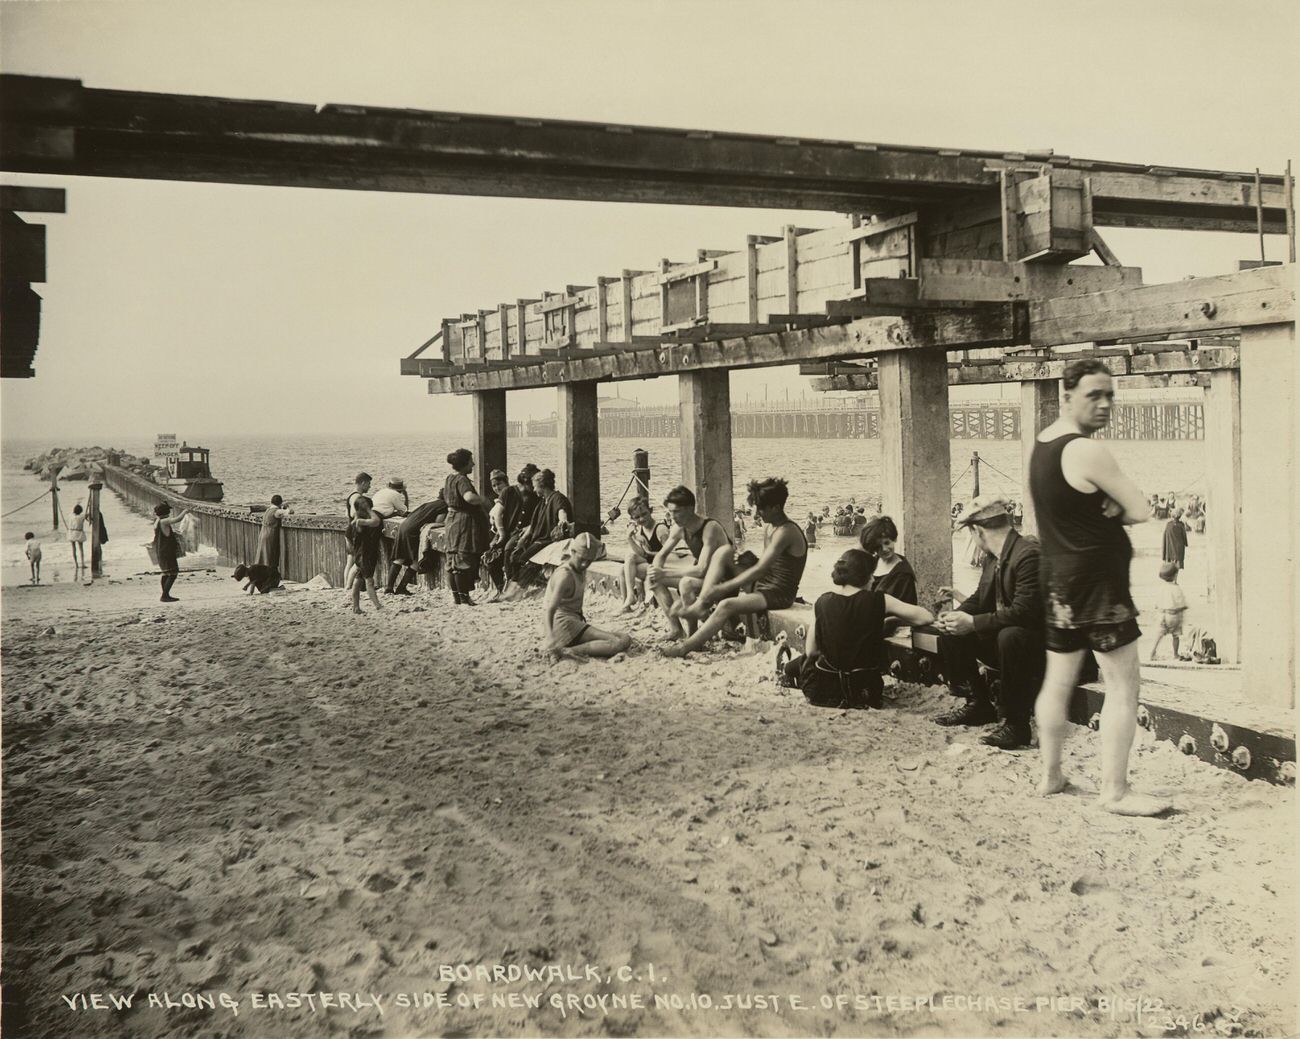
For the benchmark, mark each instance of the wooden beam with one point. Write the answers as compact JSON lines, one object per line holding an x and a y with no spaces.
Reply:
{"x":989,"y":280}
{"x":435,"y":338}
{"x":694,"y":270}
{"x":1257,"y":297}
{"x":21,"y":199}
{"x":1169,"y":200}
{"x":839,"y":379}
{"x":983,"y":325}
{"x":1102,"y":250}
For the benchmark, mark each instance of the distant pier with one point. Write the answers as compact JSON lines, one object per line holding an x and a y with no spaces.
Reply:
{"x":856,"y":419}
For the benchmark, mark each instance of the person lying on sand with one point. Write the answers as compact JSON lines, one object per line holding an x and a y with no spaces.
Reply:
{"x":774,"y":578}
{"x":565,"y":631}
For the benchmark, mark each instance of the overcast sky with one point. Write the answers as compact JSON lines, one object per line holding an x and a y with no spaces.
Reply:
{"x":217,"y":308}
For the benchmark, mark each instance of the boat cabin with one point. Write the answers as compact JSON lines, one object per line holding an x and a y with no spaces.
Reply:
{"x":189,"y":463}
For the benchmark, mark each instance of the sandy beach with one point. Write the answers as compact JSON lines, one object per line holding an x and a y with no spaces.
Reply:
{"x":255,"y":798}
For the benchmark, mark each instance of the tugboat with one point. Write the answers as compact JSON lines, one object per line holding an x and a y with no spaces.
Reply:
{"x":187,"y":471}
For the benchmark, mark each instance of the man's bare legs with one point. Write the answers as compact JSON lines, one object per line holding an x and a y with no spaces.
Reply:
{"x":1121,"y":672}
{"x":661,"y":589}
{"x":725,"y":614}
{"x":721,"y":568}
{"x":1052,"y":710}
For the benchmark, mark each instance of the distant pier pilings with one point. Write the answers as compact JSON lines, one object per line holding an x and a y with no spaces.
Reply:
{"x":851,"y":420}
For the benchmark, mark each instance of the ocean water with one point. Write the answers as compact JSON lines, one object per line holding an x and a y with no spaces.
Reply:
{"x":314,"y":472}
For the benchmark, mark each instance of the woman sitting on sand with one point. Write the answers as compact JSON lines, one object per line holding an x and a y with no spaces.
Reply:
{"x":364,"y":531}
{"x":645,"y":537}
{"x":845,"y":646}
{"x":166,"y":545}
{"x":268,"y":545}
{"x":565,"y":631}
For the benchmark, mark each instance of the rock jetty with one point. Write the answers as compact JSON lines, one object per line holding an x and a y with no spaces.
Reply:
{"x":79,"y":463}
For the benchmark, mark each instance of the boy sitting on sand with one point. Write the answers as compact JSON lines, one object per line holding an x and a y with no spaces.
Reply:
{"x":565,"y":631}
{"x":34,"y":556}
{"x":1172,"y":604}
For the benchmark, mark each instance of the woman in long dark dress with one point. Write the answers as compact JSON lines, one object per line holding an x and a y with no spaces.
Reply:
{"x":467,"y":535}
{"x":845,"y":648}
{"x":268,"y":545}
{"x":166,"y":544}
{"x":551,"y":522}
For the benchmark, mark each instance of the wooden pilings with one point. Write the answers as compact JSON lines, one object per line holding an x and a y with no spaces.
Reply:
{"x":1270,"y":380}
{"x":579,"y":434}
{"x":705,"y":409}
{"x":916,"y":477}
{"x":489,"y":438}
{"x":1223,"y":501}
{"x":92,"y":521}
{"x":1040,"y":406}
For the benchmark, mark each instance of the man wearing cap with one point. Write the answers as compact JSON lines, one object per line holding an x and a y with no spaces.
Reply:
{"x":565,"y":631}
{"x":392,"y":500}
{"x":1001,"y":625}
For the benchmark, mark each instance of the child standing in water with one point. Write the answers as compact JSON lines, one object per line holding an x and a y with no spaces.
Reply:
{"x":34,"y":556}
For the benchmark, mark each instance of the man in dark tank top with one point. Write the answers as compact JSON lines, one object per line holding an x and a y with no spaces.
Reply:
{"x":771,"y":583}
{"x":1083,"y":502}
{"x":711,"y":551}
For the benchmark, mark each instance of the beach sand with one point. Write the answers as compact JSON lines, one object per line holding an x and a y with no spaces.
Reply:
{"x":236,"y":795}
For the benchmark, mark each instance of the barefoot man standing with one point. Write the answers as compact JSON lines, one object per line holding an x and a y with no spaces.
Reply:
{"x":1083,"y":502}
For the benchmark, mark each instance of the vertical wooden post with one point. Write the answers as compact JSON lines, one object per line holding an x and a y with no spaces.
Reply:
{"x":578,"y":432}
{"x":54,"y":493}
{"x":602,"y":308}
{"x":503,"y":319}
{"x":1223,"y":521}
{"x":705,"y":411}
{"x":641,"y":471}
{"x":751,"y":276}
{"x":916,"y":469}
{"x":792,"y":268}
{"x":489,"y":438}
{"x":626,"y":285}
{"x":92,"y":521}
{"x":1270,"y":380}
{"x":1040,"y":406}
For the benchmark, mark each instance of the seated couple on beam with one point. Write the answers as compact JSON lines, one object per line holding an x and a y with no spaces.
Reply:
{"x":732,"y":586}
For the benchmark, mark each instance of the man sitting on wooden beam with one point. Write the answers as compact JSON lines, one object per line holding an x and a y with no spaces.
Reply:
{"x":1001,"y":626}
{"x":770,"y":584}
{"x":709,"y":545}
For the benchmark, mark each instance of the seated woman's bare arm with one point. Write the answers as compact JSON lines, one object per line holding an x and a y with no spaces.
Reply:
{"x":905,"y":611}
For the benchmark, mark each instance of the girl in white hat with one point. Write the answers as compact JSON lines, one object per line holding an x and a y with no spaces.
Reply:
{"x":565,"y":631}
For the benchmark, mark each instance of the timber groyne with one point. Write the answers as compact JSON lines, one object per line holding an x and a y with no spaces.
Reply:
{"x":309,"y":545}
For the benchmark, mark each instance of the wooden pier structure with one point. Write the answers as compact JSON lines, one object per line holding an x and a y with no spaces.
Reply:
{"x":949,"y":265}
{"x":848,"y":418}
